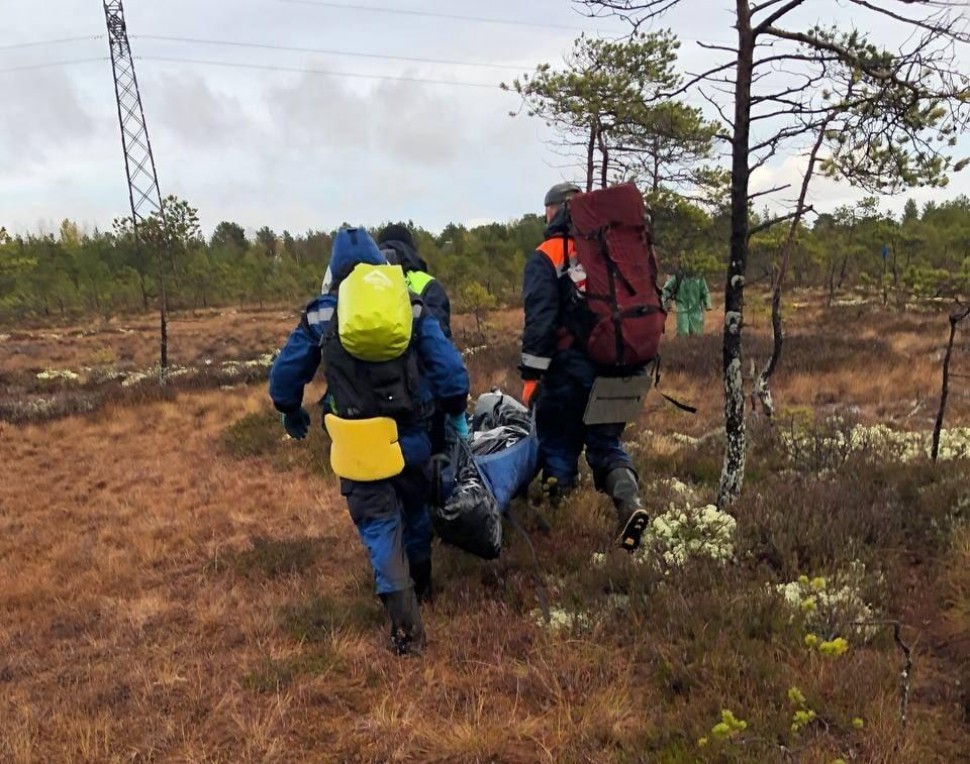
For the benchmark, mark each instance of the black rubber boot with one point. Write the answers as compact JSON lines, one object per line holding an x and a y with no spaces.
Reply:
{"x":421,"y":575}
{"x":407,"y":630}
{"x":621,"y":486}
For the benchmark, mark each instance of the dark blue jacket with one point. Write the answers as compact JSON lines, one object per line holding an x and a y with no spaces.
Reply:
{"x":443,"y":378}
{"x":547,"y":345}
{"x":434,"y":296}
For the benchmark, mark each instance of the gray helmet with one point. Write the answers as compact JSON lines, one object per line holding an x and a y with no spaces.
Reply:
{"x":560,"y":193}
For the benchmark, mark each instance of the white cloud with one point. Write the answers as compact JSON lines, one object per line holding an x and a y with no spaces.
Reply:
{"x":308,"y":150}
{"x":41,"y":116}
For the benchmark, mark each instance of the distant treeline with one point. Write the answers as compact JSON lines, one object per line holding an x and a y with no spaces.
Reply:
{"x":72,"y":274}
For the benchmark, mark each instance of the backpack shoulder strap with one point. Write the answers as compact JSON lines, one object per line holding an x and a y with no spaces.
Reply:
{"x":417,"y":305}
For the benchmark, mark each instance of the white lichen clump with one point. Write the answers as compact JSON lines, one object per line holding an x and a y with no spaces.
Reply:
{"x":684,"y":533}
{"x":683,"y":439}
{"x":881,"y":440}
{"x":678,"y":486}
{"x":732,"y":322}
{"x":561,"y":620}
{"x":49,"y":375}
{"x":831,"y":606}
{"x":472,"y":351}
{"x":132,"y":378}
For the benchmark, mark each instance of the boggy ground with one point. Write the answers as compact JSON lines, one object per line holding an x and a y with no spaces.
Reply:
{"x":181,"y":584}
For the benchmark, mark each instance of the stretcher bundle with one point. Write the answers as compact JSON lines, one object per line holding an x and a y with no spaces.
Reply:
{"x":482,"y":476}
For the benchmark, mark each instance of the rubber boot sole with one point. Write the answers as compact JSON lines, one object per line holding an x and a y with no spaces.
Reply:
{"x":633,"y":530}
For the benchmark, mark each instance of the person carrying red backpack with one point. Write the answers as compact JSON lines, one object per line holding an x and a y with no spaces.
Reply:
{"x":580,"y":324}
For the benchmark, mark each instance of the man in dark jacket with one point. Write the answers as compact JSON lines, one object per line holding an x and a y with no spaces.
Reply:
{"x":391,"y":514}
{"x":559,"y":376}
{"x":398,"y":247}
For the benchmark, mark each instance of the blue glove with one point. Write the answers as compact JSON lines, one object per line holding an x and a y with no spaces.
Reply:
{"x":296,"y":425}
{"x":460,"y":424}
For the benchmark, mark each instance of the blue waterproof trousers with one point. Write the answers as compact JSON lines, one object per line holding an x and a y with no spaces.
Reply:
{"x":394,"y":524}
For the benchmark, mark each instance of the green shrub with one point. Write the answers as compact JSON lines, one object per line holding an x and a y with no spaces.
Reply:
{"x":261,"y":435}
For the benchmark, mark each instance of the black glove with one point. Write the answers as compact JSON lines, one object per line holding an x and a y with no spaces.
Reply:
{"x":297,"y":424}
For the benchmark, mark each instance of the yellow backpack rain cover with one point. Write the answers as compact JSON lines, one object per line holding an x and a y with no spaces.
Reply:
{"x":374,"y":313}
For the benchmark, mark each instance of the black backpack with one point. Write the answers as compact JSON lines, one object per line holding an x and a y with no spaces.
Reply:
{"x":366,"y":389}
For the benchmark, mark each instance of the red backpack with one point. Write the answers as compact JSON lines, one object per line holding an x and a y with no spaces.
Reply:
{"x":626,"y":317}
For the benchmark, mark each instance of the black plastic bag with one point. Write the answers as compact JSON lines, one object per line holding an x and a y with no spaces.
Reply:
{"x":470,"y":518}
{"x":495,"y":409}
{"x":497,"y":439}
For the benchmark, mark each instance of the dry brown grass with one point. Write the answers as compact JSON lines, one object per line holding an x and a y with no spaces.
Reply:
{"x":168,"y":597}
{"x":132,"y":341}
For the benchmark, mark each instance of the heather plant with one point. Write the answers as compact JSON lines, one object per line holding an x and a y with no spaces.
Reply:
{"x":830,"y":606}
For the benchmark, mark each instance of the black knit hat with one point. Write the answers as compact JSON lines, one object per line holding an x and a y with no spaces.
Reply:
{"x":396,"y":232}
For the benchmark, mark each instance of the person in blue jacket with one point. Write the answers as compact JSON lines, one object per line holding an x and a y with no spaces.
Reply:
{"x":398,"y":247}
{"x":559,"y":376}
{"x":391,"y":515}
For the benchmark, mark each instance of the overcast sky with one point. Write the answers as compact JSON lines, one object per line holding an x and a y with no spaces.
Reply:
{"x":298,"y":150}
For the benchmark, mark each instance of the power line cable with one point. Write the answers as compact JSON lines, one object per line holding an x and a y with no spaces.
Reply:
{"x":52,"y":64}
{"x":431,"y":14}
{"x":478,"y":19}
{"x":39,"y":43}
{"x":325,"y":51}
{"x":300,"y":70}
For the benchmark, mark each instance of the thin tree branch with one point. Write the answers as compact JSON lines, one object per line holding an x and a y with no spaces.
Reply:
{"x":709,"y":46}
{"x":775,"y":221}
{"x":878,"y":73}
{"x":696,"y":78}
{"x":761,"y":387}
{"x":935,"y":29}
{"x":785,"y":9}
{"x":907,"y":669}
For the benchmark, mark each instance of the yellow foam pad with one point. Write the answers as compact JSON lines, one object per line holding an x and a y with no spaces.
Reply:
{"x":364,"y":449}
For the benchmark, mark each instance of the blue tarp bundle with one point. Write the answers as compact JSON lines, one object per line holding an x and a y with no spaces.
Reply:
{"x":505,"y":446}
{"x":484,"y":475}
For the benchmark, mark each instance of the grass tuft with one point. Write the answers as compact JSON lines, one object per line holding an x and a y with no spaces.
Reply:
{"x":273,"y":676}
{"x":274,"y":558}
{"x":260,"y":435}
{"x":320,"y":619}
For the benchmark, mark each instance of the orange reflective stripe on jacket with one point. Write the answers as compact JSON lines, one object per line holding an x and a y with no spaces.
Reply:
{"x":553,"y":249}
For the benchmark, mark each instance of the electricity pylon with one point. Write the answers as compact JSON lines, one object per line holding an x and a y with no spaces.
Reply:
{"x":143,"y":191}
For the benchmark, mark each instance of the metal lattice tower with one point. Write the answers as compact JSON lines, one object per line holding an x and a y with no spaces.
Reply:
{"x":143,"y":191}
{"x":139,"y":161}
